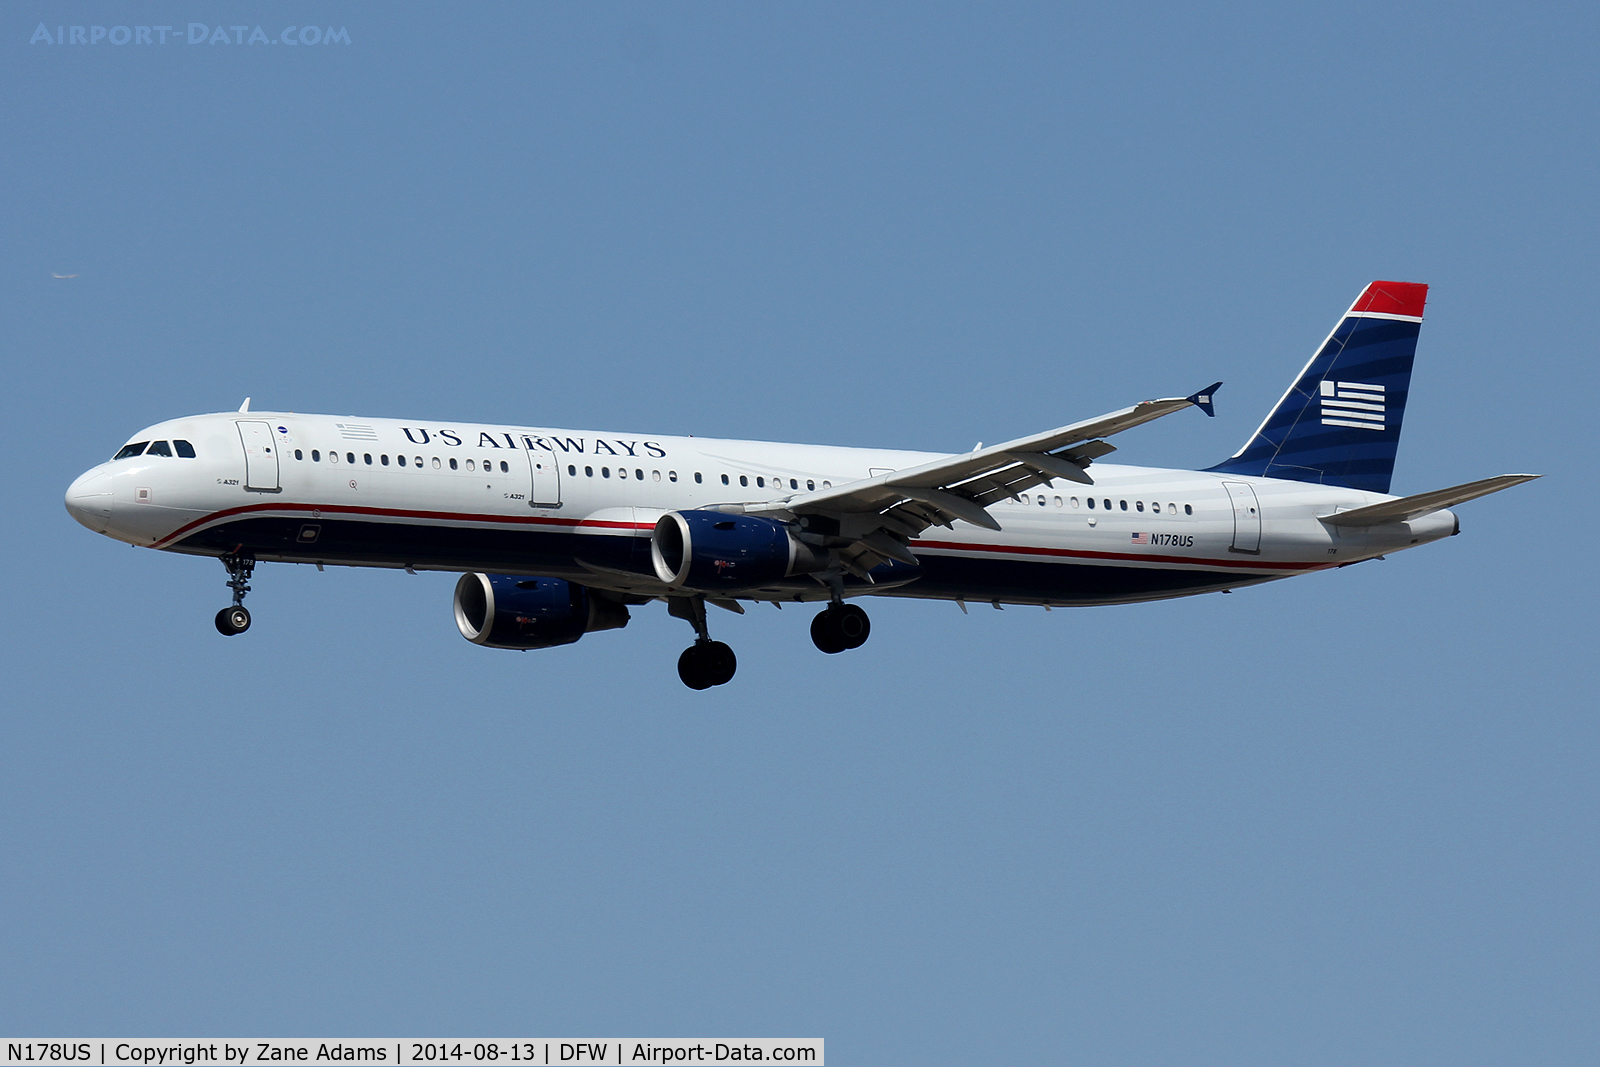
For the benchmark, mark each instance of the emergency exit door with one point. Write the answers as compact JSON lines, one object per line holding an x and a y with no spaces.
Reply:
{"x":546,"y":471}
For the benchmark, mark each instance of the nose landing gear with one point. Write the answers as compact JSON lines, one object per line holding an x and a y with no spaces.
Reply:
{"x":236,"y":619}
{"x":840,"y":627}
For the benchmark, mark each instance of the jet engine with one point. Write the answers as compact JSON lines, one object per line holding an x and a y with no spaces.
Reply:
{"x":502,"y":611}
{"x":715,"y":551}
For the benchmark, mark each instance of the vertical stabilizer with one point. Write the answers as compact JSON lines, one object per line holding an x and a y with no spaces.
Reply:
{"x":1339,"y":423}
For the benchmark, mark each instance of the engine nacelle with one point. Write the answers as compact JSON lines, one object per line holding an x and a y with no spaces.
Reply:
{"x":502,"y":611}
{"x":714,"y":551}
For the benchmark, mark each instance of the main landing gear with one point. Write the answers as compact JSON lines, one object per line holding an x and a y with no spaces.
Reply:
{"x":706,"y":662}
{"x":236,"y":620}
{"x":840,"y":627}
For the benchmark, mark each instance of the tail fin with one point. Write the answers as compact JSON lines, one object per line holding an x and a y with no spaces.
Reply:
{"x":1339,"y":423}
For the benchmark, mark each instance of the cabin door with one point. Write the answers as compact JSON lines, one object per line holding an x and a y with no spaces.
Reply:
{"x":1246,"y":517}
{"x":260,"y":457}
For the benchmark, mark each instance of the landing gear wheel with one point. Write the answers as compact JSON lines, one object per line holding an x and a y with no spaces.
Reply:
{"x":707,"y":663}
{"x":720,"y":661}
{"x":691,"y":668}
{"x":234,"y":620}
{"x":852,"y":624}
{"x":825,"y":633}
{"x":840,"y":628}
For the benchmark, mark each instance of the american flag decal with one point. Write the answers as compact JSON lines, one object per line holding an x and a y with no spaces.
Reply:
{"x":1352,"y":404}
{"x":1141,"y":539}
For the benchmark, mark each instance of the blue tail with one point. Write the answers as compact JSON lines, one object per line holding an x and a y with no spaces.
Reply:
{"x":1339,"y":423}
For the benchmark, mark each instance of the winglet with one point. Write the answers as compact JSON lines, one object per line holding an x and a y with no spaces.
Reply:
{"x":1202,"y":399}
{"x":246,"y":405}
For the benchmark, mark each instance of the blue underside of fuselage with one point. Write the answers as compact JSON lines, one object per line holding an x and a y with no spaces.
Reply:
{"x":592,"y":558}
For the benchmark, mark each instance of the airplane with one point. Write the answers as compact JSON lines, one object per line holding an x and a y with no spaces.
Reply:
{"x":558,"y":533}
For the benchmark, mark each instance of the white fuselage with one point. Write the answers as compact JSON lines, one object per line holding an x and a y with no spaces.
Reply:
{"x":581,"y":504}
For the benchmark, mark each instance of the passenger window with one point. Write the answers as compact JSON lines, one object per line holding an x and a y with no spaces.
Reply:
{"x":436,"y":463}
{"x":794,"y":484}
{"x":605,"y":472}
{"x":724,"y":479}
{"x":622,"y":472}
{"x":1172,"y":509}
{"x":1041,"y":502}
{"x":655,"y":476}
{"x":384,"y":459}
{"x":827,"y":485}
{"x":299,"y":454}
{"x":697,"y":477}
{"x":1075,"y":501}
{"x":1058,"y":502}
{"x":1091,"y":502}
{"x":350,"y":457}
{"x":398,"y":459}
{"x":672,"y":476}
{"x":811,"y":486}
{"x":129,"y":451}
{"x":639,"y":475}
{"x":588,"y":472}
{"x":1188,"y":510}
{"x":1124,"y":504}
{"x":159,"y":448}
{"x":316,"y":457}
{"x":1138,"y":505}
{"x":1106,"y":504}
{"x":571,"y":468}
{"x":743,"y":480}
{"x":761,"y":483}
{"x":368,"y":457}
{"x":505,"y":468}
{"x":418,"y":462}
{"x":333,"y":457}
{"x":185,"y":449}
{"x":453,"y":465}
{"x":472,"y":466}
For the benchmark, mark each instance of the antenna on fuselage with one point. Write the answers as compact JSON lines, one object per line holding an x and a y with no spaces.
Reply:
{"x":246,"y":405}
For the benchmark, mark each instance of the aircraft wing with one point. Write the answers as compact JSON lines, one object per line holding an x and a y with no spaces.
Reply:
{"x":871,"y":520}
{"x":1410,"y":507}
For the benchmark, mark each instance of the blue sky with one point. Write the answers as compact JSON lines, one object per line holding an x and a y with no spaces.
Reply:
{"x":1347,"y":818}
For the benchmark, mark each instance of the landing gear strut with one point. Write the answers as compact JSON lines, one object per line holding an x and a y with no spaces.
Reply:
{"x":236,"y":619}
{"x":839,"y":627}
{"x":706,"y":662}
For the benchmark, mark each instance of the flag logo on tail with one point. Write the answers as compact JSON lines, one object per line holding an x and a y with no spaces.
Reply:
{"x":1352,"y":404}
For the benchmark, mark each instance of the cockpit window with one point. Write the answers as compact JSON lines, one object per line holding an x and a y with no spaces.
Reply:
{"x":129,"y":451}
{"x":159,"y":448}
{"x":185,"y":449}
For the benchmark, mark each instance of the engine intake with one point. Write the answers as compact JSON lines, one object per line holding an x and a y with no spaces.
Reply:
{"x":502,"y":611}
{"x":713,"y":551}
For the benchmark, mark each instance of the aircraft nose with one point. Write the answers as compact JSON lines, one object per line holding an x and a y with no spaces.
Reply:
{"x":89,"y":500}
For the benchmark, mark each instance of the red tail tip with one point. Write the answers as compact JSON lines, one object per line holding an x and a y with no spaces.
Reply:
{"x":1393,"y":298}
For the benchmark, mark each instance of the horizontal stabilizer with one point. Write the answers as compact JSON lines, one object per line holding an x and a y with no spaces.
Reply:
{"x":1410,"y":507}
